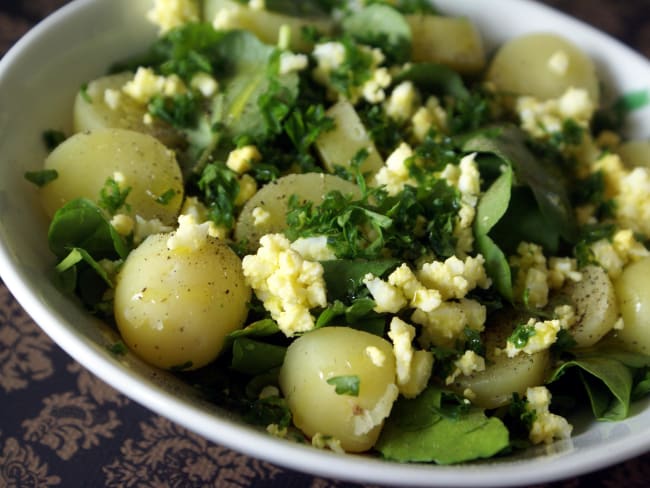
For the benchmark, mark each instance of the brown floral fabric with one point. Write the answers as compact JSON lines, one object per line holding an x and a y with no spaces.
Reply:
{"x":61,"y":426}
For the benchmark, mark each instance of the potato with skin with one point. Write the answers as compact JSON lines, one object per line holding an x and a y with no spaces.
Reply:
{"x":102,"y":104}
{"x":503,"y":376}
{"x":334,"y":352}
{"x":274,"y":199}
{"x":633,"y":293}
{"x":543,"y":66}
{"x":452,"y":41}
{"x":174,"y":307}
{"x":85,"y":161}
{"x":595,"y":305}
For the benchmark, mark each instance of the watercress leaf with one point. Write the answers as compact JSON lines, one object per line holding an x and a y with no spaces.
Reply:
{"x":509,"y":143}
{"x":343,"y":277}
{"x":255,"y":357}
{"x":383,"y":27}
{"x":345,"y":385}
{"x":417,"y":431}
{"x":607,"y":381}
{"x":524,"y":222}
{"x":82,"y":224}
{"x":78,"y":255}
{"x":434,"y":78}
{"x":246,"y":83}
{"x":490,"y":210}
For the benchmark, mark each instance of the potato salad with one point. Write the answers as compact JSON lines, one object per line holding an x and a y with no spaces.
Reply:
{"x":353,"y":226}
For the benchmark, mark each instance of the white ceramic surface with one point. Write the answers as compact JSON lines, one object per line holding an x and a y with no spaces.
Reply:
{"x":38,"y":79}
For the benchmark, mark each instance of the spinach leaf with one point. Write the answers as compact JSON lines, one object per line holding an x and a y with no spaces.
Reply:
{"x":248,"y":78}
{"x":524,"y":222}
{"x":304,"y":8}
{"x":434,"y":78}
{"x":78,"y":255}
{"x":420,"y":430}
{"x":255,"y":357}
{"x":609,"y":375}
{"x":490,"y":210}
{"x":509,"y":143}
{"x":82,"y":224}
{"x":383,"y":27}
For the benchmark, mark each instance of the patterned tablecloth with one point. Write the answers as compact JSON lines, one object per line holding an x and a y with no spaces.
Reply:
{"x":61,"y":426}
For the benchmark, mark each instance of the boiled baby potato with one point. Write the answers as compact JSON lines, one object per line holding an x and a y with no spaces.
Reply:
{"x":635,"y":153}
{"x":452,"y":41}
{"x":633,"y":293}
{"x":274,"y":199}
{"x":503,"y":376}
{"x":174,"y":307}
{"x":595,"y":304}
{"x":263,"y":23}
{"x":338,"y":146}
{"x":85,"y":161}
{"x":92,"y":110}
{"x":308,"y":379}
{"x":543,"y":66}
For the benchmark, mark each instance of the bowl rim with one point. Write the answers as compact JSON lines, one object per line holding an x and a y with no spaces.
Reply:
{"x":259,"y":444}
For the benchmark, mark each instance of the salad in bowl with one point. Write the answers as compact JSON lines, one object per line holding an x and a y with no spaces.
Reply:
{"x":364,"y":226}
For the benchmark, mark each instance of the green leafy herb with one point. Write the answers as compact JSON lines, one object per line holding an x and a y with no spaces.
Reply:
{"x":550,"y":194}
{"x":383,"y":27}
{"x":82,"y":224}
{"x":119,"y":349}
{"x":344,"y":277}
{"x":608,"y":376}
{"x":345,"y":385}
{"x":79,"y":255}
{"x":355,"y":69}
{"x":112,"y":197}
{"x":419,"y":431}
{"x":491,"y":208}
{"x":220,"y":187}
{"x":166,"y":197}
{"x":435,"y":79}
{"x":41,"y":178}
{"x":83,"y":90}
{"x":180,"y":110}
{"x":255,"y":357}
{"x":52,"y":138}
{"x":521,"y":335}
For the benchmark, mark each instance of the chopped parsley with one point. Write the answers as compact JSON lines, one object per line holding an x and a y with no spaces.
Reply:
{"x":345,"y":385}
{"x":112,"y":197}
{"x":521,"y":335}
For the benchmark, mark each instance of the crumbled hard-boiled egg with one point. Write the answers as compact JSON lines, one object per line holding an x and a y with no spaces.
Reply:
{"x":546,"y":426}
{"x":287,"y":284}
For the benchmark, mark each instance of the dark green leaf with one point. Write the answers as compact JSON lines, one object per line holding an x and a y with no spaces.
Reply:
{"x":550,"y":194}
{"x":255,"y":357}
{"x":78,"y":255}
{"x":435,"y":79}
{"x":82,"y":224}
{"x":41,"y":178}
{"x":53,"y":138}
{"x":344,"y":277}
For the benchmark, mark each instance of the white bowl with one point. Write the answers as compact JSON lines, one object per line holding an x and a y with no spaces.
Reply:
{"x":38,"y":80}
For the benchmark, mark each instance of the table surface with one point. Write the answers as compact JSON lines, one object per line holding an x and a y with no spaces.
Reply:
{"x":61,"y":426}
